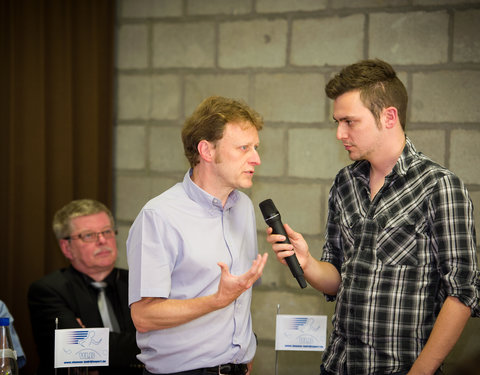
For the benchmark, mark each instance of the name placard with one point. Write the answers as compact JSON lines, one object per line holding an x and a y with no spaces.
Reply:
{"x":81,"y":347}
{"x":301,"y":332}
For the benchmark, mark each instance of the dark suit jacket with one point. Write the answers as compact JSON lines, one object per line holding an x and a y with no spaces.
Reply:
{"x":66,"y":294}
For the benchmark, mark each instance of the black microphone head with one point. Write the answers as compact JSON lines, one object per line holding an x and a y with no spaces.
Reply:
{"x":268,"y":209}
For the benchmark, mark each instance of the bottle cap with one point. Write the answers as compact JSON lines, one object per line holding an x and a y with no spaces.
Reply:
{"x":4,"y":322}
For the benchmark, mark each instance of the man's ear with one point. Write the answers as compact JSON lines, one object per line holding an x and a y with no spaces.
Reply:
{"x":390,"y":117}
{"x":206,"y":150}
{"x":65,"y":247}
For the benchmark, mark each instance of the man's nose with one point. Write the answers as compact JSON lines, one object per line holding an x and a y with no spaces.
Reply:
{"x":101,"y":238}
{"x":255,"y":159}
{"x":340,"y":131}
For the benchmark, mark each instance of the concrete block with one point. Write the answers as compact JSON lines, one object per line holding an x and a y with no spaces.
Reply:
{"x":299,"y":204}
{"x":315,"y":153}
{"x":132,"y":194}
{"x":299,"y":363}
{"x":274,"y":273}
{"x":130,"y":147}
{"x":403,"y":76}
{"x":339,"y":4}
{"x":134,"y":191}
{"x":465,"y":355}
{"x":231,"y":7}
{"x":280,"y":6}
{"x":201,"y":86}
{"x":166,"y":150}
{"x":264,"y":361}
{"x":258,"y":43}
{"x":132,"y":47}
{"x":286,"y":362}
{"x":443,"y":2}
{"x":272,"y":150}
{"x":409,"y":38}
{"x":144,"y":97}
{"x":291,"y":97}
{"x":466,"y":39}
{"x":317,"y":41}
{"x":162,"y":183}
{"x":430,"y":143}
{"x":166,"y":97}
{"x":122,"y":246}
{"x":150,"y":8}
{"x":134,"y":97}
{"x":464,"y":156}
{"x":315,"y":244}
{"x":187,"y":45}
{"x":446,"y":96}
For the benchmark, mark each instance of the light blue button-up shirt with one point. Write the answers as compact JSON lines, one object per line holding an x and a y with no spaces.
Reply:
{"x":173,"y":249}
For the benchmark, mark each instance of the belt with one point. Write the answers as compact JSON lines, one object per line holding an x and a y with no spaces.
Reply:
{"x":229,"y":368}
{"x":226,"y":369}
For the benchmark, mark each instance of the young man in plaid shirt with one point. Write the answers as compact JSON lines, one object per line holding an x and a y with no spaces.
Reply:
{"x":399,"y":257}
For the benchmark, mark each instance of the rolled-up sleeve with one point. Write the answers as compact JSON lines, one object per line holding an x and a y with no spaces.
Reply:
{"x":454,"y":241}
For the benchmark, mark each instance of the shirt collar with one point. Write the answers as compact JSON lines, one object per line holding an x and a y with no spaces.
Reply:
{"x":405,"y":160}
{"x":205,"y":199}
{"x":111,"y":279}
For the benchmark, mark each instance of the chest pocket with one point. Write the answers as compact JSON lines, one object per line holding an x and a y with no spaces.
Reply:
{"x":397,"y":241}
{"x":350,"y":226}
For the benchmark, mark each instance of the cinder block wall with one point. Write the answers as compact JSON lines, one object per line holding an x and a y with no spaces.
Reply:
{"x":277,"y":55}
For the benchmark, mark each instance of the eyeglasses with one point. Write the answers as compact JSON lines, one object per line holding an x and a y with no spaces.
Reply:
{"x":93,"y":236}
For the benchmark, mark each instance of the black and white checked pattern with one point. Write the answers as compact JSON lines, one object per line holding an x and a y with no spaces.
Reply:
{"x":400,"y":256}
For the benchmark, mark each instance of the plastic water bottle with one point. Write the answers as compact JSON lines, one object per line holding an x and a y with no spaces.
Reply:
{"x":8,"y":355}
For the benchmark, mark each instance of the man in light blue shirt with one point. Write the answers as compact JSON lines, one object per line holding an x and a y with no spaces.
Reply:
{"x":192,"y":251}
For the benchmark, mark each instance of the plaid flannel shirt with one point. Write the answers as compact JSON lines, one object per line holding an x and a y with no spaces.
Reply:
{"x":399,"y":256}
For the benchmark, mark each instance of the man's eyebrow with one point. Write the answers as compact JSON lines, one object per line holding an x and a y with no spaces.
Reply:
{"x":342,"y":118}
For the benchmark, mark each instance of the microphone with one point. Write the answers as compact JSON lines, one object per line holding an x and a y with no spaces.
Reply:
{"x":273,"y":220}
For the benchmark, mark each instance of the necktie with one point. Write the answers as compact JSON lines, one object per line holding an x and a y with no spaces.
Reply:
{"x":105,"y":307}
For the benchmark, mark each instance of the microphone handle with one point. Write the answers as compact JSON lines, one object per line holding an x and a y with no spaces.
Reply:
{"x":292,"y":261}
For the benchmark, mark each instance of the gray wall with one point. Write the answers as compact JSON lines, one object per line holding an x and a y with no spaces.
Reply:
{"x":277,"y":55}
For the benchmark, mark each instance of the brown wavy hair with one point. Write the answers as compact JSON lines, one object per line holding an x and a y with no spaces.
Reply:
{"x":208,"y":123}
{"x":378,"y":85}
